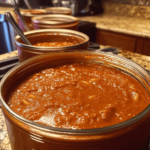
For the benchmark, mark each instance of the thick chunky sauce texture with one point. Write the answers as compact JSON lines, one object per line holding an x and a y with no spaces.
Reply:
{"x":59,"y":41}
{"x":79,"y":96}
{"x":54,"y":44}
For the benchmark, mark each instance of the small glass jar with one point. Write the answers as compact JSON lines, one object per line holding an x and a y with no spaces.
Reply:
{"x":50,"y":35}
{"x":27,"y":15}
{"x":55,"y":22}
{"x":132,"y":134}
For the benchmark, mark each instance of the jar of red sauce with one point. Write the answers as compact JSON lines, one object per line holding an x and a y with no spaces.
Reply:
{"x":27,"y":15}
{"x":75,"y":39}
{"x":55,"y":22}
{"x":132,"y":134}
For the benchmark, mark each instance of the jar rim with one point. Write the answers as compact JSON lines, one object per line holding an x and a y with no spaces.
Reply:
{"x":55,"y":19}
{"x":49,"y":32}
{"x":77,"y":131}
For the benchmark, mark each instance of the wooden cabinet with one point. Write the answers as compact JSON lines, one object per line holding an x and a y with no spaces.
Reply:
{"x":139,"y":45}
{"x":146,"y":47}
{"x":116,"y":40}
{"x":126,"y":42}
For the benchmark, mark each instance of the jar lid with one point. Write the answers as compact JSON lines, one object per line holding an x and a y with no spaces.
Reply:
{"x":54,"y":19}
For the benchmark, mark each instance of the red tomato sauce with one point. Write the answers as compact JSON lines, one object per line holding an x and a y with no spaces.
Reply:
{"x":79,"y":96}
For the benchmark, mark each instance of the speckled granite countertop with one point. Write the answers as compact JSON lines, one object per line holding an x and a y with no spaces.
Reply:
{"x":4,"y":140}
{"x":121,"y":24}
{"x":8,"y":55}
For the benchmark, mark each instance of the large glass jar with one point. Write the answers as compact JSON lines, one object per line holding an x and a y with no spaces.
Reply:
{"x":132,"y":134}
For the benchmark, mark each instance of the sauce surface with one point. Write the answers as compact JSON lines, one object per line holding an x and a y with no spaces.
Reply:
{"x":32,"y":12}
{"x":54,"y":44}
{"x":79,"y":96}
{"x":57,"y":41}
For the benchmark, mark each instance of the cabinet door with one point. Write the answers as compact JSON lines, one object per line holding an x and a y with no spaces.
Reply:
{"x":126,"y":42}
{"x":139,"y":45}
{"x":146,"y":47}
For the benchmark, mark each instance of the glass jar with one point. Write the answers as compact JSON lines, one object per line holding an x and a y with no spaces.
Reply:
{"x":50,"y":35}
{"x":55,"y":22}
{"x":27,"y":15}
{"x":132,"y":134}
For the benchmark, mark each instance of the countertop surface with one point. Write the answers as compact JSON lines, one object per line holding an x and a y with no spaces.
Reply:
{"x":123,"y":18}
{"x":8,"y":55}
{"x":121,"y":24}
{"x":4,"y":140}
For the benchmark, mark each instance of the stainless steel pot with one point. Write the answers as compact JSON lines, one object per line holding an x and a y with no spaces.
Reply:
{"x":7,"y":33}
{"x":80,"y":7}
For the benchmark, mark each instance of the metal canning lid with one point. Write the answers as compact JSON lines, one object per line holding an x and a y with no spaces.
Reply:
{"x":64,"y":32}
{"x":26,"y":12}
{"x":58,"y":10}
{"x":54,"y":19}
